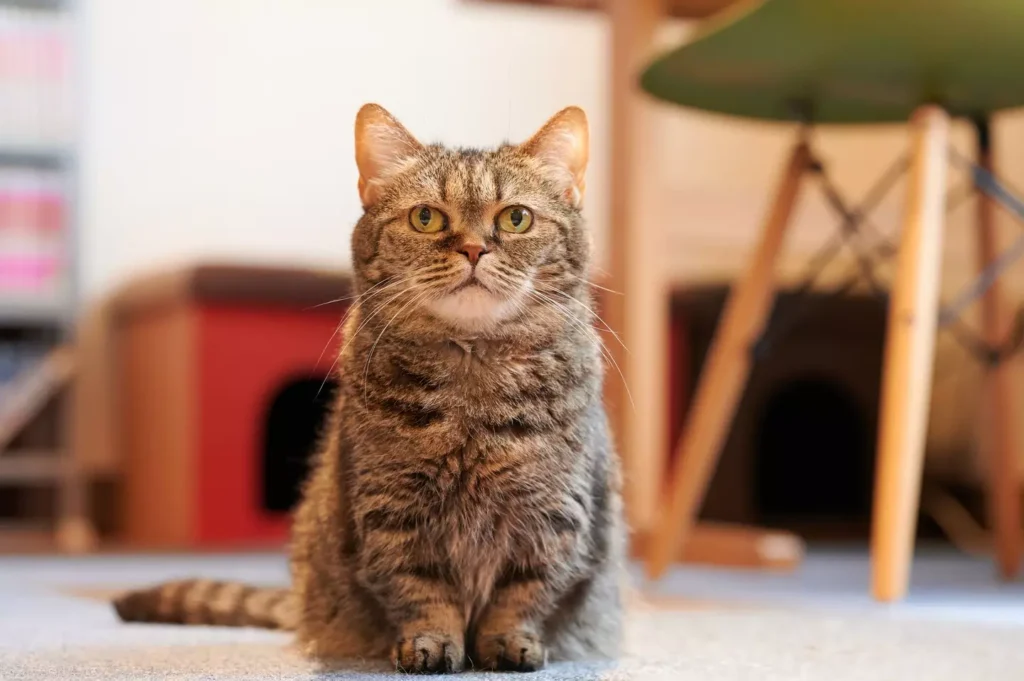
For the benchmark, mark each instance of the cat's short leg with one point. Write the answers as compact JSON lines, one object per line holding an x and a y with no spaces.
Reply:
{"x":509,"y":636}
{"x":581,"y":622}
{"x":542,"y":569}
{"x":420,"y":603}
{"x":432,"y":642}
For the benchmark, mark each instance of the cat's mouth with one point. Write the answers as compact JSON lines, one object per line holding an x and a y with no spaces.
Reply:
{"x":473,"y":304}
{"x":470,"y":282}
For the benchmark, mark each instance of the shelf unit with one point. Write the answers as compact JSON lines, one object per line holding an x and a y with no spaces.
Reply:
{"x":39,"y":67}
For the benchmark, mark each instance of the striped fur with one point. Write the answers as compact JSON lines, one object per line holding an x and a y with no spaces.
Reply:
{"x":464,"y":507}
{"x":204,"y":601}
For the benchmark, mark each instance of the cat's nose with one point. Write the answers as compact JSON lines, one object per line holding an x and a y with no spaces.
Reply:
{"x":472,"y":251}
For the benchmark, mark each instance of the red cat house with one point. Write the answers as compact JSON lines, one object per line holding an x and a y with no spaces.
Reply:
{"x":213,"y":385}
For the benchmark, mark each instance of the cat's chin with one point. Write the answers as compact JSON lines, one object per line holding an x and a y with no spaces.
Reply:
{"x":473,"y":308}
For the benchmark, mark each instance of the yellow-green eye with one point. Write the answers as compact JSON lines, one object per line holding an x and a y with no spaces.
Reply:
{"x":427,"y":219}
{"x":515,"y":219}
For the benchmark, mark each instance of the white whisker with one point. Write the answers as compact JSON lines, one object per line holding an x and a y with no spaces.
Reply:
{"x":363,"y":323}
{"x":590,"y":283}
{"x":587,"y":328}
{"x":358,"y":295}
{"x":430,"y":269}
{"x":363,"y":297}
{"x":589,"y":309}
{"x":369,"y":356}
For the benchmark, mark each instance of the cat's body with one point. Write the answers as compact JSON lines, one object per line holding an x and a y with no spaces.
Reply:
{"x":465,"y":504}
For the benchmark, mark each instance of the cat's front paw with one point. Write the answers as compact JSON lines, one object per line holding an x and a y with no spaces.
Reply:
{"x":517,"y":651}
{"x":429,"y":653}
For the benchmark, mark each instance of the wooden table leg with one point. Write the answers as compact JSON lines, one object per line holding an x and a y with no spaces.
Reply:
{"x":998,"y":393}
{"x":640,"y":314}
{"x":909,"y":354}
{"x":724,"y":376}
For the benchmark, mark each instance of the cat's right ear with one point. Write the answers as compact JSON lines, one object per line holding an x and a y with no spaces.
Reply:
{"x":563,"y":144}
{"x":383,"y":146}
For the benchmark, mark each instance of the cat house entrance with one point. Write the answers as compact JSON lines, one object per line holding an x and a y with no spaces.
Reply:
{"x":294,"y":423}
{"x":814,"y":453}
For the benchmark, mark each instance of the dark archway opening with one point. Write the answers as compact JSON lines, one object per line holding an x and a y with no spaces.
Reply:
{"x":292,"y":430}
{"x":815,"y":454}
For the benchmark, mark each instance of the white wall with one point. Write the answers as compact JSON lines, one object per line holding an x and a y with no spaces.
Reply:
{"x":223,"y":128}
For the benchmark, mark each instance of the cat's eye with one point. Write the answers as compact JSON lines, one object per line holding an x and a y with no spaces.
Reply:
{"x":428,"y":220}
{"x":515,"y":219}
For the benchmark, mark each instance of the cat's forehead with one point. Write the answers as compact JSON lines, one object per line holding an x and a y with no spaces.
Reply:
{"x":457,"y":175}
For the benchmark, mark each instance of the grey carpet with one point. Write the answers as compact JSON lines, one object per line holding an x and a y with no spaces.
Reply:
{"x":698,"y":625}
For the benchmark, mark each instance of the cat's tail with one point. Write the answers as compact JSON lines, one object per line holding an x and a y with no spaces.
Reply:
{"x":204,"y":601}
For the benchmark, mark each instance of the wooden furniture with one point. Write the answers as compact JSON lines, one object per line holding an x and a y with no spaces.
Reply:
{"x":196,"y":411}
{"x":638,"y":413}
{"x":846,"y":62}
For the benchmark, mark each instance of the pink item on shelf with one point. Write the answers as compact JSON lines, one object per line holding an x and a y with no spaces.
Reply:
{"x":51,"y":212}
{"x":26,"y":272}
{"x":22,"y":48}
{"x":31,"y":202}
{"x":23,"y":210}
{"x":6,"y":210}
{"x":52,"y":54}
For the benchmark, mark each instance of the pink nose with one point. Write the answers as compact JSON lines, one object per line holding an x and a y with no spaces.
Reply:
{"x":472,"y":251}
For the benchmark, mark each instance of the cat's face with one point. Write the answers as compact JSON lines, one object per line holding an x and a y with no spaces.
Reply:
{"x":473,"y":237}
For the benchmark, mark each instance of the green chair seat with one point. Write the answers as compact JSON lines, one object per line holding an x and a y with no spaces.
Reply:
{"x":849,"y":61}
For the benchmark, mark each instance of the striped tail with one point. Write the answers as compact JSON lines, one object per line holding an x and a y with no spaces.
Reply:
{"x":204,"y":601}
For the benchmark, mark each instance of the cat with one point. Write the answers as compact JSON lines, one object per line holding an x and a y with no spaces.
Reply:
{"x":464,"y":507}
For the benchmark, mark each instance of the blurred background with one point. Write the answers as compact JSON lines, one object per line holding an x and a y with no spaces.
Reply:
{"x":177,"y":194}
{"x":177,"y":189}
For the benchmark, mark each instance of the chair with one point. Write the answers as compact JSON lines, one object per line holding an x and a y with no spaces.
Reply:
{"x":861,"y":62}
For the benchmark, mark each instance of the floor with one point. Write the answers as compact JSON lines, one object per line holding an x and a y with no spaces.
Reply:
{"x":959,"y":623}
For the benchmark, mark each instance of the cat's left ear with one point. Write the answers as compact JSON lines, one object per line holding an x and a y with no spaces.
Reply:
{"x":563,"y":144}
{"x":383,"y":145}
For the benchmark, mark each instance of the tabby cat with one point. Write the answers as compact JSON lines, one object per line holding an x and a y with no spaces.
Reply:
{"x":464,"y":507}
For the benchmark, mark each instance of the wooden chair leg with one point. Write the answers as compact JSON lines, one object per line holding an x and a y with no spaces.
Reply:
{"x":998,"y":394}
{"x":909,"y":354}
{"x":724,"y":376}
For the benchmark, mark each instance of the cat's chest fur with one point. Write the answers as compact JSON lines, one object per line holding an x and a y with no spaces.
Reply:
{"x":476,"y":442}
{"x":486,"y":439}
